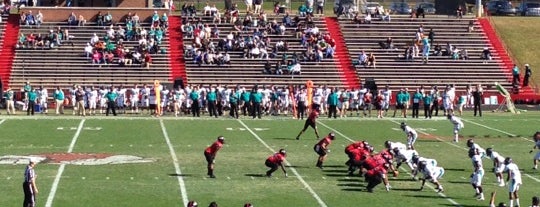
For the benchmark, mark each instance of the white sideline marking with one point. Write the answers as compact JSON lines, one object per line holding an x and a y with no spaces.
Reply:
{"x":531,"y":177}
{"x":176,"y":165}
{"x":306,"y":185}
{"x":498,"y":130}
{"x":429,"y":185}
{"x":3,"y":120}
{"x":56,"y":181}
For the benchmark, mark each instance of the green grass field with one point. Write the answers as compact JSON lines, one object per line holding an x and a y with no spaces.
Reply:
{"x":240,"y":164}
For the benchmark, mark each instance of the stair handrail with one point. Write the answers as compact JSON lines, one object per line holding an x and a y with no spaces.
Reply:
{"x":532,"y":81}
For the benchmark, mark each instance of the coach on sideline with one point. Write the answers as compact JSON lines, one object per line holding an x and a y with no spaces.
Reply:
{"x":29,"y":185}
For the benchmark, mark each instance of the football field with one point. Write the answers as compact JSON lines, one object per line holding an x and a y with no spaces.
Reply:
{"x":145,"y":161}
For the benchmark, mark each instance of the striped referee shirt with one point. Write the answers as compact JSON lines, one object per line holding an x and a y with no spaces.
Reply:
{"x":29,"y":174}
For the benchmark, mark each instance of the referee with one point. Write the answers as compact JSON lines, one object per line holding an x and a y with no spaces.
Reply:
{"x":29,"y":185}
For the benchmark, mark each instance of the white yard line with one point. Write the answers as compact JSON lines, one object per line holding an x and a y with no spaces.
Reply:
{"x":3,"y":120}
{"x":498,"y":130}
{"x":306,"y":185}
{"x":429,"y":185}
{"x":56,"y":181}
{"x":176,"y":165}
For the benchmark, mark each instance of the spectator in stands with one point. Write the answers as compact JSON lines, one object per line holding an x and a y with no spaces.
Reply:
{"x":249,"y":6}
{"x":4,"y":8}
{"x":39,"y":41}
{"x":455,"y":53}
{"x":100,"y":19}
{"x":81,"y":21}
{"x":258,"y":5}
{"x":362,"y":58}
{"x":21,"y":41}
{"x":431,"y":36}
{"x":409,"y":50}
{"x":206,"y":10}
{"x":136,"y":19}
{"x":88,"y":51}
{"x":109,"y":57}
{"x":217,"y":17}
{"x":108,"y":19}
{"x":72,"y":19}
{"x":459,"y":12}
{"x":486,"y":55}
{"x":302,"y":10}
{"x":39,"y":19}
{"x":155,"y":19}
{"x":420,"y":12}
{"x":267,"y":68}
{"x":287,"y":21}
{"x":471,"y":26}
{"x":528,"y":74}
{"x":437,"y":51}
{"x":449,"y":48}
{"x":30,"y":19}
{"x":386,"y":16}
{"x":96,"y":58}
{"x":371,"y":60}
{"x":22,"y":19}
{"x":515,"y":75}
{"x":30,"y":41}
{"x":147,"y":60}
{"x":320,"y":7}
{"x":367,"y":19}
{"x":464,"y":54}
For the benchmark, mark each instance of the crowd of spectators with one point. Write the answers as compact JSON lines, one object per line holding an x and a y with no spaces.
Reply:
{"x":254,"y":36}
{"x":110,"y":48}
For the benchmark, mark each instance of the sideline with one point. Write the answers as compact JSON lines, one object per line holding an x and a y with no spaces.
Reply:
{"x":429,"y":185}
{"x":176,"y":165}
{"x":306,"y":185}
{"x":56,"y":181}
{"x":3,"y":120}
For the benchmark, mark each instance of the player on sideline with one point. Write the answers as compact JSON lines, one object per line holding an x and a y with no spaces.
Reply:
{"x":274,"y":161}
{"x":210,"y":154}
{"x":321,"y":148}
{"x":513,"y":179}
{"x":411,"y":135}
{"x":478,"y":174}
{"x":458,"y":125}
{"x":310,"y":121}
{"x":536,"y":138}
{"x":432,"y":174}
{"x":498,"y":164}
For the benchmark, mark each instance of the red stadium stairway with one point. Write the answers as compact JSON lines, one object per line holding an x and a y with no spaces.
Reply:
{"x":507,"y":63}
{"x":7,"y":54}
{"x":348,"y":71}
{"x":176,"y":53}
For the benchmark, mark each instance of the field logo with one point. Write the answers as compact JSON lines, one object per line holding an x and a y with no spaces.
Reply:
{"x":75,"y":159}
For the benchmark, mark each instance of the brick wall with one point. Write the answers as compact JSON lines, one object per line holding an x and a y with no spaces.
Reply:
{"x":60,"y":14}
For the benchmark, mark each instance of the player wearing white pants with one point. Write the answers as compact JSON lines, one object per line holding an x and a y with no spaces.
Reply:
{"x":134,"y":99}
{"x":411,"y":135}
{"x":478,"y":174}
{"x":92,"y":101}
{"x":498,"y":165}
{"x":514,"y":180}
{"x":102,"y":100}
{"x":458,"y":125}
{"x":432,"y":174}
{"x":43,"y":96}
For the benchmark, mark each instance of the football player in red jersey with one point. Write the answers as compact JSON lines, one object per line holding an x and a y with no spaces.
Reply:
{"x":210,"y":154}
{"x":274,"y":161}
{"x":310,"y":121}
{"x":321,"y":148}
{"x":377,"y":175}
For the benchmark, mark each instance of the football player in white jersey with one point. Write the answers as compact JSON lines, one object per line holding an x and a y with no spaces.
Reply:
{"x":416,"y":159}
{"x":43,"y":96}
{"x":102,"y":100}
{"x":134,"y":99}
{"x":498,"y":164}
{"x":536,"y":139}
{"x":121,"y":99}
{"x":73,"y":102}
{"x":478,"y":172}
{"x":145,"y":93}
{"x":387,"y":94}
{"x":404,"y":156}
{"x":431,"y":174}
{"x":513,"y":179}
{"x":471,"y":144}
{"x":92,"y":101}
{"x":458,"y":125}
{"x":392,"y":145}
{"x":355,"y":102}
{"x":411,"y":135}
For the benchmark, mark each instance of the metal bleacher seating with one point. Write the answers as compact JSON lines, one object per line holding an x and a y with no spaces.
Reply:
{"x":393,"y":70}
{"x":248,"y":72}
{"x":67,"y":64}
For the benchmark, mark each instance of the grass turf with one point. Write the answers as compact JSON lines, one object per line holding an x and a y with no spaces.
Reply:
{"x":240,"y":164}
